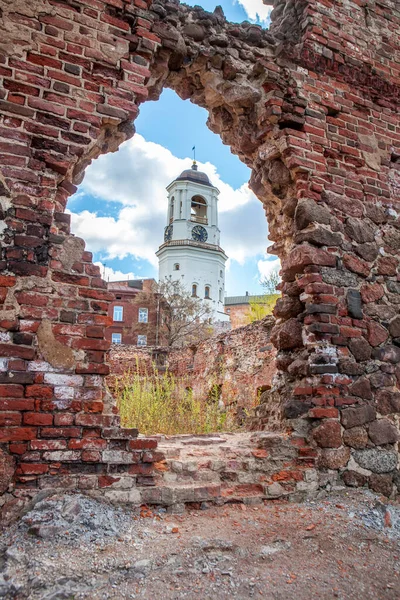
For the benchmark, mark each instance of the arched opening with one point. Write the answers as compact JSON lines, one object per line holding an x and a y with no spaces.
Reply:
{"x":338,"y":318}
{"x":198,"y":210}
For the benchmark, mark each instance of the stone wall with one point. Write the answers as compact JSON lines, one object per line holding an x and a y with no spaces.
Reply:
{"x":239,"y":364}
{"x":311,"y":106}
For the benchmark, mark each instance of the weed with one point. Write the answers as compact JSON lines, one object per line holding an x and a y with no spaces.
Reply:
{"x":161,"y":402}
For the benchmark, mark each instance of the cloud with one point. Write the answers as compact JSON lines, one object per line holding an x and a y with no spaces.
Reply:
{"x":256,"y":10}
{"x":266,"y":267}
{"x":135,"y":179}
{"x":108,"y":274}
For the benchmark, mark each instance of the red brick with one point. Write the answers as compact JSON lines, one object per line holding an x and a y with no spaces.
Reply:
{"x":38,"y":419}
{"x":15,"y":434}
{"x":91,"y":456}
{"x":32,"y":469}
{"x":11,"y":391}
{"x":60,"y":432}
{"x":87,"y":444}
{"x":10,"y":350}
{"x":107,"y":480}
{"x":18,"y":448}
{"x":11,"y":418}
{"x":143,"y":444}
{"x":323,"y":413}
{"x":39,"y":391}
{"x":48,"y":445}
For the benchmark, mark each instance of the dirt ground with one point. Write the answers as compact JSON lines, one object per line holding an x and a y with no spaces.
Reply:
{"x":346,"y":547}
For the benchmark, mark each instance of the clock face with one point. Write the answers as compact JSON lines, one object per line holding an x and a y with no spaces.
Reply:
{"x":168,"y":233}
{"x":199,"y":234}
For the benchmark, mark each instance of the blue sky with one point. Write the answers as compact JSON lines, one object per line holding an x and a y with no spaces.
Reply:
{"x":120,"y":208}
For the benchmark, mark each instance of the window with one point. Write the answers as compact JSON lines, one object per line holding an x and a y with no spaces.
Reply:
{"x":118,"y":297}
{"x":143,"y":315}
{"x":198,"y":210}
{"x":177,"y":267}
{"x":220,"y":294}
{"x":171,"y":209}
{"x":118,"y":313}
{"x":116,"y":338}
{"x":142,"y":340}
{"x":194,"y":289}
{"x":207,"y":292}
{"x":228,"y":310}
{"x":221,"y":273}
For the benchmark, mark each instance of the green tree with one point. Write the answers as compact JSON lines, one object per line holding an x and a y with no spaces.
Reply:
{"x":260,"y":307}
{"x":270,"y":282}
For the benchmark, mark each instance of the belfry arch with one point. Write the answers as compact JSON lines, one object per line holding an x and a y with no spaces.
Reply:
{"x":312,"y":114}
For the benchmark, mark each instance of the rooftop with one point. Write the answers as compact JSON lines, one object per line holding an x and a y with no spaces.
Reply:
{"x":194,"y":175}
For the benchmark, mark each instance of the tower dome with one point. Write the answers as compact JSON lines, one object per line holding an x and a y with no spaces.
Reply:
{"x":194,"y":175}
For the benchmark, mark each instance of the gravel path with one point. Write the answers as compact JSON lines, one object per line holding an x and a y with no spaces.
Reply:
{"x":72,"y":547}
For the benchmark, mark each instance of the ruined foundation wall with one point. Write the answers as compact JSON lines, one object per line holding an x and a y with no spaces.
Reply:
{"x":311,"y":106}
{"x":235,"y":367}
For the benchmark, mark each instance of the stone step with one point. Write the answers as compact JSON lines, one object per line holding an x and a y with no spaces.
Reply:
{"x":181,"y":493}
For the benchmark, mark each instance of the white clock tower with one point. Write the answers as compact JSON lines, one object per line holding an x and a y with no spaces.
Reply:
{"x":191,"y":252}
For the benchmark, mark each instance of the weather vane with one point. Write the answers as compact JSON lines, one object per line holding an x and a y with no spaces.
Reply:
{"x":194,"y":153}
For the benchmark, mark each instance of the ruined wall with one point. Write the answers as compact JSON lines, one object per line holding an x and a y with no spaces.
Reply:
{"x":311,"y":106}
{"x":241,"y":363}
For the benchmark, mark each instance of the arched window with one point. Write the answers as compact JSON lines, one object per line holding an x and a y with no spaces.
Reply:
{"x":207,"y":292}
{"x":177,"y":267}
{"x":221,"y":273}
{"x":220,"y":294}
{"x":171,"y":209}
{"x":194,"y":290}
{"x":198,"y":210}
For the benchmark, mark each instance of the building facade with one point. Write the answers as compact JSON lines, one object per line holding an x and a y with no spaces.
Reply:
{"x":133,"y":312}
{"x":191,"y":251}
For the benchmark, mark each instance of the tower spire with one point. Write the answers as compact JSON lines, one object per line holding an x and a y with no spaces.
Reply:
{"x":194,"y":165}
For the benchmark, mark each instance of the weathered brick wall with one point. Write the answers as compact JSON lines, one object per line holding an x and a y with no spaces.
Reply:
{"x":311,"y":106}
{"x":241,"y":363}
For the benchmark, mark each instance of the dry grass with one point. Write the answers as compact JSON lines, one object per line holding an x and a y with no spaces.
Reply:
{"x":164,"y":403}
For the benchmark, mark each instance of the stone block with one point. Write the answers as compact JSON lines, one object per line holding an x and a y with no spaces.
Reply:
{"x":354,"y":479}
{"x":382,"y":484}
{"x":357,"y":415}
{"x":330,"y":458}
{"x":377,"y":461}
{"x":361,"y":388}
{"x":377,"y":334}
{"x":354,"y":304}
{"x":275,"y":490}
{"x":356,"y":437}
{"x":287,"y":335}
{"x":387,"y":402}
{"x":328,"y":434}
{"x":360,"y":349}
{"x":383,"y":432}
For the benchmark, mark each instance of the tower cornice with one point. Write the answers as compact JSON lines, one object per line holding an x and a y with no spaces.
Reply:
{"x":181,"y":243}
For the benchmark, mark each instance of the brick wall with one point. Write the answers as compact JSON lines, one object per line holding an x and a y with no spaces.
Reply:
{"x":311,"y":106}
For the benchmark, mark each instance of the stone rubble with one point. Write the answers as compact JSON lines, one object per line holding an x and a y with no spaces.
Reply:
{"x":100,"y":552}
